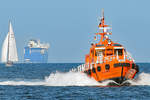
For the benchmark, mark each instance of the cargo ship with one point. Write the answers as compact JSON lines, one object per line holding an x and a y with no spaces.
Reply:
{"x":108,"y":60}
{"x":36,"y":52}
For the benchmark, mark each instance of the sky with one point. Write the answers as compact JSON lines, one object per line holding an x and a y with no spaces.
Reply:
{"x":69,"y":26}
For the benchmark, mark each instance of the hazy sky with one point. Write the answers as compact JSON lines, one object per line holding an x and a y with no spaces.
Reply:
{"x":69,"y":25}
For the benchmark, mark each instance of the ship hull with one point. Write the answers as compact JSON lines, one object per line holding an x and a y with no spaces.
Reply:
{"x":9,"y":64}
{"x":35,"y":55}
{"x":118,"y":82}
{"x":118,"y":72}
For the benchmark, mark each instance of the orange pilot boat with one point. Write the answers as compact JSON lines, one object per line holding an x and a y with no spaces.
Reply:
{"x":108,"y":60}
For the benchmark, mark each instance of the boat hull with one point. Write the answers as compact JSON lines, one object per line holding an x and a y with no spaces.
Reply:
{"x":118,"y":72}
{"x":9,"y":64}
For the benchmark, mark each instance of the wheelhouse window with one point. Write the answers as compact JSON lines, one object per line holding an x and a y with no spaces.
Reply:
{"x":109,"y":52}
{"x":118,"y":51}
{"x":100,"y":52}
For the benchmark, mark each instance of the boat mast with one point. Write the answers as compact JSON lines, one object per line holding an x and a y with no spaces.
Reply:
{"x":103,"y":28}
{"x":8,"y":42}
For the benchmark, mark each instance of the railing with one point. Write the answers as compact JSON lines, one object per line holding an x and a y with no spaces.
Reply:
{"x":84,"y":67}
{"x":101,"y":59}
{"x":80,"y":68}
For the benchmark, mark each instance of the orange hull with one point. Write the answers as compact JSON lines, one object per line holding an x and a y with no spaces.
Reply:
{"x":108,"y":60}
{"x":116,"y":71}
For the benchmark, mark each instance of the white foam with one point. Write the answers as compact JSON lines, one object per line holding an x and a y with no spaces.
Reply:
{"x":30,"y":83}
{"x":70,"y":79}
{"x":142,"y":79}
{"x":59,"y":79}
{"x":74,"y":79}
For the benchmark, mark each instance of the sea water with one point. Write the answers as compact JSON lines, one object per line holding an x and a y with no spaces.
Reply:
{"x":55,"y":81}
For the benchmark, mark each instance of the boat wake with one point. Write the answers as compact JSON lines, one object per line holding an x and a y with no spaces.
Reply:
{"x":73,"y":79}
{"x":70,"y":79}
{"x":57,"y":79}
{"x":142,"y":79}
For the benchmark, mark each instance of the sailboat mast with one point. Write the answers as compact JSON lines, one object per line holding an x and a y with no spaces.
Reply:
{"x":8,"y":42}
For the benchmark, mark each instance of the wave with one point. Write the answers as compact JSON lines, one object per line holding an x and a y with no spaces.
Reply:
{"x":73,"y":79}
{"x":58,"y":79}
{"x":142,"y":79}
{"x":70,"y":79}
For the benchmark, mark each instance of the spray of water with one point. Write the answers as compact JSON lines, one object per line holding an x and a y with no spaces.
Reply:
{"x":142,"y":79}
{"x":59,"y":79}
{"x":70,"y":79}
{"x":74,"y":79}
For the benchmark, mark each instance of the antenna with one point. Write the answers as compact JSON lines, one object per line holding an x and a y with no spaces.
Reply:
{"x":102,"y":12}
{"x":103,"y":28}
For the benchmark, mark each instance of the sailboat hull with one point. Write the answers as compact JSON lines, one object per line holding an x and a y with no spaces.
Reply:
{"x":9,"y":64}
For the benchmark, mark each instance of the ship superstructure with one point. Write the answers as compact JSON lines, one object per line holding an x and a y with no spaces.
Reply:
{"x":36,"y":52}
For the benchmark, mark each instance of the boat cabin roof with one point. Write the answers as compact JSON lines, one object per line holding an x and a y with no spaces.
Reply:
{"x":114,"y":46}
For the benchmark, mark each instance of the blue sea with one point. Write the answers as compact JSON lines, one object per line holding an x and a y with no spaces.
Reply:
{"x":55,"y":81}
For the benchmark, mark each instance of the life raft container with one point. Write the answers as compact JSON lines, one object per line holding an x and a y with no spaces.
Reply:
{"x":130,"y":74}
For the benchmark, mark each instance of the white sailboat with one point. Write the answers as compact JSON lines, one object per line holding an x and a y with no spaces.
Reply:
{"x":9,"y":50}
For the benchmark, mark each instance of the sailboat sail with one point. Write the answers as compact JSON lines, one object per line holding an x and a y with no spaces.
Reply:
{"x":4,"y":50}
{"x":9,"y":50}
{"x":12,"y":46}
